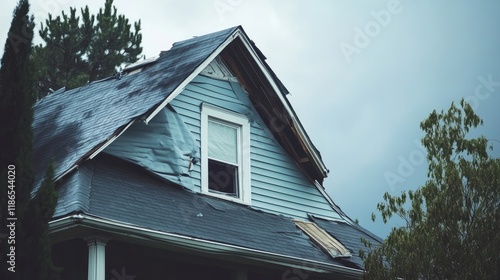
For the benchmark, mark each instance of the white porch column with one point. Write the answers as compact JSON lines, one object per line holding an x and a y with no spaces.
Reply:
{"x":97,"y":257}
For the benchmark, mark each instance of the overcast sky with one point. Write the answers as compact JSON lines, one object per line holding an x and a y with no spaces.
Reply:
{"x":362,"y":74}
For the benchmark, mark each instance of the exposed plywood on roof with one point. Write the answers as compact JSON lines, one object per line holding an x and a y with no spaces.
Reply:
{"x":349,"y":235}
{"x":323,"y":239}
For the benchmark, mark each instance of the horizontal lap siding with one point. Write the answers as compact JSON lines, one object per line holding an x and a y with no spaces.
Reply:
{"x":278,"y":185}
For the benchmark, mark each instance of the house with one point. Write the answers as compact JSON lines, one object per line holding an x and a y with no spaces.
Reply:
{"x":190,"y":165}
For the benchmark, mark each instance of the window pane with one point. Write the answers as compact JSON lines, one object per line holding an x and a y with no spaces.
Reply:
{"x":222,"y":142}
{"x":223,"y":178}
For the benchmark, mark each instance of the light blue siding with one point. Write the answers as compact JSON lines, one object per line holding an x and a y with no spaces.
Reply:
{"x":165,"y":146}
{"x":278,"y":185}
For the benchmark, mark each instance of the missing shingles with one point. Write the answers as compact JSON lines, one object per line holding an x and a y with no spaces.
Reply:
{"x":323,"y":239}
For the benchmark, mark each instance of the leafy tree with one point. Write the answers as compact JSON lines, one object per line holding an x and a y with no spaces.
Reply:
{"x":84,"y":48}
{"x":16,"y":100}
{"x":453,"y":221}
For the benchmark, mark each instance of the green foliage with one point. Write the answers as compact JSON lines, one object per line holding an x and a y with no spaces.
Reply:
{"x":84,"y":48}
{"x":452,"y":226}
{"x":39,"y":213}
{"x":16,"y":101}
{"x":17,"y":116}
{"x":15,"y":91}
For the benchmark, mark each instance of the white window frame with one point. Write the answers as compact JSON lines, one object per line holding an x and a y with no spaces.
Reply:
{"x":242,"y":123}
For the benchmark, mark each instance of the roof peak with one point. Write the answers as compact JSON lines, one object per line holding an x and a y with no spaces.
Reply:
{"x":207,"y":35}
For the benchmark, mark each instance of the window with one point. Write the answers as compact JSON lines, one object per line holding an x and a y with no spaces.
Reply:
{"x":225,"y":154}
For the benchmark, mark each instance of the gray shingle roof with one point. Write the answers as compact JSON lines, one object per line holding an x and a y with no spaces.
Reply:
{"x":69,"y":124}
{"x":111,"y":188}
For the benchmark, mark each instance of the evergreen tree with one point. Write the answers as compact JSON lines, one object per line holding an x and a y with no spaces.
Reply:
{"x":61,"y":61}
{"x":38,"y":247}
{"x":26,"y":237}
{"x":452,"y":226}
{"x":113,"y":43}
{"x":84,"y":48}
{"x":16,"y":134}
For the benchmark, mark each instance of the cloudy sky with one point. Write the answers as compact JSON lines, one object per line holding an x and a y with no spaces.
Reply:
{"x":362,"y":74}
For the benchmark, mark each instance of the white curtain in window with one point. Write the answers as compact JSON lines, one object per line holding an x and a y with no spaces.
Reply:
{"x":222,"y":142}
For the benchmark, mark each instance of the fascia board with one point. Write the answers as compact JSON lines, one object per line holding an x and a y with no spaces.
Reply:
{"x":287,"y":106}
{"x":198,"y":244}
{"x":329,"y":200}
{"x":111,"y":140}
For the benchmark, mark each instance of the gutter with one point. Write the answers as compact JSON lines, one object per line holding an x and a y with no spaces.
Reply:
{"x":198,"y":244}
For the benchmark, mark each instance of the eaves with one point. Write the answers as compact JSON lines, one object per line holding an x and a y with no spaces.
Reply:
{"x":197,"y":244}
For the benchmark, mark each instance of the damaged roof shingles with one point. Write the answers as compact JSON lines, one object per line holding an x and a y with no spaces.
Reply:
{"x":68,"y":125}
{"x":125,"y":192}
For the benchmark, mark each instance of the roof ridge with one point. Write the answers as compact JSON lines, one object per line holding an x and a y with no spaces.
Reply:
{"x":229,"y":30}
